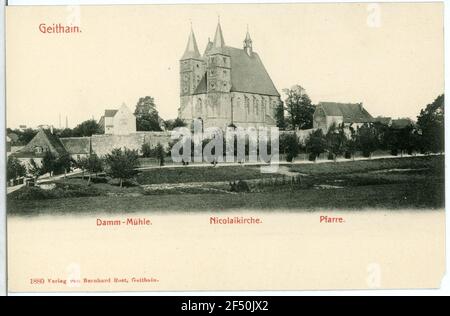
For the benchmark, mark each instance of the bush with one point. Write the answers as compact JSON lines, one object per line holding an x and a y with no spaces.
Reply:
{"x":312,"y":157}
{"x":394,"y":151}
{"x":330,"y":156}
{"x":347,"y":155}
{"x":60,"y":191}
{"x":240,"y":186}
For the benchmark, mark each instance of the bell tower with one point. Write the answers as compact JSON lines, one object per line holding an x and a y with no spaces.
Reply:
{"x":191,"y":67}
{"x":218,"y":65}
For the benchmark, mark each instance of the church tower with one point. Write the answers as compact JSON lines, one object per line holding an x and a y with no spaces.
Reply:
{"x":192,"y":67}
{"x":218,"y":65}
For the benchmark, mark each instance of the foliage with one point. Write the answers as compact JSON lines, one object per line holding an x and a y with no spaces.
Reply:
{"x":122,"y":164}
{"x":289,"y":145}
{"x":336,"y":141}
{"x":14,"y":168}
{"x":35,"y":170}
{"x":279,"y":116}
{"x":367,"y":139}
{"x":172,"y":124}
{"x":315,"y":144}
{"x":160,"y":154}
{"x":86,"y":128}
{"x":430,"y":123}
{"x":147,"y":117}
{"x":299,"y":108}
{"x":146,"y":150}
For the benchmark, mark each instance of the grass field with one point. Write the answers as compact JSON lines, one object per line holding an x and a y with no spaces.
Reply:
{"x":200,"y":174}
{"x":403,"y":183}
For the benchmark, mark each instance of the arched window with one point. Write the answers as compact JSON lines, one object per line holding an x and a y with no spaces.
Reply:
{"x":247,"y":105}
{"x":199,"y":107}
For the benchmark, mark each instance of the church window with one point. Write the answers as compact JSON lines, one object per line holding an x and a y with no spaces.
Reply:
{"x":199,"y":107}
{"x":224,"y":60}
{"x":212,"y":85}
{"x":224,"y":72}
{"x":38,"y":149}
{"x":247,"y":105}
{"x":198,"y":66}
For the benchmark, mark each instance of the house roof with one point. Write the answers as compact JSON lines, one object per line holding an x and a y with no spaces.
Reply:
{"x":110,"y":113}
{"x":248,"y":74}
{"x":402,"y":122}
{"x":76,"y":145}
{"x":383,"y":120}
{"x":350,"y":112}
{"x":46,"y":140}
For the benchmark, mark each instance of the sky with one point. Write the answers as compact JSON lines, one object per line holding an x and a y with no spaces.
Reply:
{"x":390,"y":56}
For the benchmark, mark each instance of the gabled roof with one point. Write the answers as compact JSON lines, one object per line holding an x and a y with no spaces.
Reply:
{"x":350,"y":112}
{"x":248,"y":74}
{"x":402,"y":123}
{"x":46,"y":140}
{"x":76,"y":145}
{"x":383,"y":120}
{"x":110,"y":113}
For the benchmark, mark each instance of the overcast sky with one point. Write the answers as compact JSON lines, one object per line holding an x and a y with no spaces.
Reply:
{"x":390,"y":57}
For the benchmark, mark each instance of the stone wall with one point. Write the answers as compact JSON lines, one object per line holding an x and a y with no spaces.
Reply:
{"x":104,"y":144}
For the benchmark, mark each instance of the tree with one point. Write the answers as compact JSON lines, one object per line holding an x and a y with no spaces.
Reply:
{"x":63,"y":164}
{"x":49,"y":163}
{"x":430,"y":123}
{"x":172,"y":124}
{"x":146,"y":150}
{"x":336,"y":140}
{"x":86,"y":128}
{"x":279,"y":115}
{"x":315,"y":144}
{"x":160,"y":154}
{"x":93,"y":164}
{"x":35,"y":170}
{"x":14,"y":168}
{"x":147,"y":117}
{"x":367,"y":139}
{"x":122,"y":164}
{"x":352,"y":144}
{"x":299,"y":108}
{"x":289,"y":145}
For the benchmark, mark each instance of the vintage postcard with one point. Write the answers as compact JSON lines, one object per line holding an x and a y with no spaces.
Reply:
{"x":225,"y":147}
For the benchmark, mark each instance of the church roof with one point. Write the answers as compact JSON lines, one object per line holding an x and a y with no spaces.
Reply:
{"x":191,"y":48}
{"x":350,"y":112}
{"x":248,"y":74}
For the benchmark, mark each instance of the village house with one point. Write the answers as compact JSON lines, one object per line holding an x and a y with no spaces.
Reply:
{"x":46,"y":141}
{"x":349,"y":114}
{"x":118,"y":122}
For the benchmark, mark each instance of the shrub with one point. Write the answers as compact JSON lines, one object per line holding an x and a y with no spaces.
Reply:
{"x":347,"y":155}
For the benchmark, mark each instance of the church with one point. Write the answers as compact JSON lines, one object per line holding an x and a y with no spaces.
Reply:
{"x":226,"y":86}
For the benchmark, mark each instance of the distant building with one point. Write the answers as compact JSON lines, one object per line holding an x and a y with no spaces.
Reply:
{"x":44,"y":141}
{"x":118,"y":122}
{"x":77,"y":147}
{"x":383,"y":120}
{"x":402,"y":123}
{"x":327,"y":113}
{"x":226,"y":86}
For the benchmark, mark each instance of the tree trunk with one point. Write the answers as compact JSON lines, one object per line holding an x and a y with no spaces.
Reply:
{"x":120,"y":183}
{"x":89,"y":179}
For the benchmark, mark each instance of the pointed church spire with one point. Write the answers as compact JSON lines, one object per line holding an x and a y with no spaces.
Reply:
{"x":191,"y":48}
{"x":248,"y":43}
{"x":218,"y":38}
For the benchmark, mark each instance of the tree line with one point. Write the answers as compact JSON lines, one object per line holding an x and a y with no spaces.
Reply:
{"x":425,"y":136}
